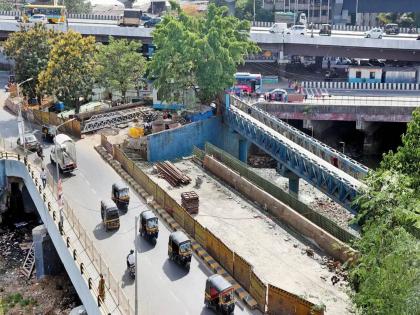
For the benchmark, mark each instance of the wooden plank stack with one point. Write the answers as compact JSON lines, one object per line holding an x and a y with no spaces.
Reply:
{"x":172,"y":174}
{"x":189,"y":201}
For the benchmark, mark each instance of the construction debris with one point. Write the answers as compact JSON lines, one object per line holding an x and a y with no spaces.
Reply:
{"x":172,"y":174}
{"x":262,"y":161}
{"x":190,"y":201}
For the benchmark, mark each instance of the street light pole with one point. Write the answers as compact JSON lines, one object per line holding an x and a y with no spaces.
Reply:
{"x":21,"y":124}
{"x":344,"y":145}
{"x":59,"y":196}
{"x":136,"y":302}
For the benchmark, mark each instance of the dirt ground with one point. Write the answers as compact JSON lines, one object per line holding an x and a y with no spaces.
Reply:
{"x":277,"y":254}
{"x":49,"y":296}
{"x":312,"y":197}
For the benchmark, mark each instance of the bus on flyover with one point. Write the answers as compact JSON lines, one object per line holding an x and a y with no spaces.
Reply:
{"x":54,"y":13}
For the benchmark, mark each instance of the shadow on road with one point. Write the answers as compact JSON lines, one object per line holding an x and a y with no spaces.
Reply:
{"x":126,"y":279}
{"x":100,"y":233}
{"x":174,"y":271}
{"x":144,"y":245}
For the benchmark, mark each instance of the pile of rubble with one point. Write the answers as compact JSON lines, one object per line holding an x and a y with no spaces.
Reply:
{"x":14,"y":245}
{"x":262,"y":161}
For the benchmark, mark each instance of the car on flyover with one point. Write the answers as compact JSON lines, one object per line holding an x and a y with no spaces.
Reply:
{"x":295,"y":30}
{"x":38,"y":19}
{"x":375,"y":32}
{"x":392,"y":29}
{"x":152,"y":22}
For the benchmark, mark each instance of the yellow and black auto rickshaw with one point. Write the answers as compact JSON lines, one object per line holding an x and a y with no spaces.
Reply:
{"x":179,"y":248}
{"x":149,"y":226}
{"x":120,"y":195}
{"x":110,"y":215}
{"x":219,"y":295}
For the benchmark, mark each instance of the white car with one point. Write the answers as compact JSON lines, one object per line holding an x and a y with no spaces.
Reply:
{"x":374,"y":33}
{"x":38,"y":18}
{"x":295,"y":30}
{"x":278,"y":27}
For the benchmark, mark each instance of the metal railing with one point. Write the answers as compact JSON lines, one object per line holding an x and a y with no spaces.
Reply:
{"x":365,"y":101}
{"x":85,"y":255}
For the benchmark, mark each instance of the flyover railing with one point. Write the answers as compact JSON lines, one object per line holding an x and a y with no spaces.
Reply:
{"x":364,"y":101}
{"x":82,"y":248}
{"x":320,"y":149}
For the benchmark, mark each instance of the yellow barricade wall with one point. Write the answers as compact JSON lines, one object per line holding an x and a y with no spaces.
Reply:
{"x":242,"y":271}
{"x":226,"y":257}
{"x":258,"y":291}
{"x":139,"y":176}
{"x":189,"y":224}
{"x":177,"y":211}
{"x":281,"y":302}
{"x":160,"y":196}
{"x":200,"y":234}
{"x":212,"y":245}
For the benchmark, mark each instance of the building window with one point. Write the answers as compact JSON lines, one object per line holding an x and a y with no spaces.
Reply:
{"x":372,"y":75}
{"x":358,"y":74}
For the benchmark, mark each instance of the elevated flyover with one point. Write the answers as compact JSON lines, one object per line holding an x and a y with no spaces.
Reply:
{"x":346,"y":108}
{"x":345,"y":44}
{"x":320,"y":149}
{"x":335,"y":183}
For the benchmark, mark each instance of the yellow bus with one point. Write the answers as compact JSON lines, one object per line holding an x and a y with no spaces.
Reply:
{"x":54,"y":13}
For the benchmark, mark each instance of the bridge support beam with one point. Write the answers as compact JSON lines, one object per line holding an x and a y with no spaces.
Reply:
{"x":370,"y":143}
{"x":47,"y":261}
{"x":293,"y":179}
{"x":243,"y":150}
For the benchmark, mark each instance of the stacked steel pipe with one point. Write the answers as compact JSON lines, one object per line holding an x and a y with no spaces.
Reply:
{"x":190,"y":201}
{"x":172,"y":174}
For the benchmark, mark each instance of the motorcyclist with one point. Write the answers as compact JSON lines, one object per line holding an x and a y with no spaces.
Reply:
{"x":130,"y":259}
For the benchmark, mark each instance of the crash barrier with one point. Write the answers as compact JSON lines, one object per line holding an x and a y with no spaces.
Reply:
{"x":275,"y":191}
{"x":79,"y":244}
{"x":47,"y":118}
{"x":231,"y":261}
{"x":349,"y":28}
{"x":361,"y":85}
{"x":281,"y":302}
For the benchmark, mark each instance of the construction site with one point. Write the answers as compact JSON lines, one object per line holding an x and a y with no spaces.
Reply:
{"x":283,"y":245}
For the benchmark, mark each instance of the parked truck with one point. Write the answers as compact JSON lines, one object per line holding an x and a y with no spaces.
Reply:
{"x":65,"y":156}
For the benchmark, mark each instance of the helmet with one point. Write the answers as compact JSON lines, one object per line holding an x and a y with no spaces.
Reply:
{"x":131,"y":251}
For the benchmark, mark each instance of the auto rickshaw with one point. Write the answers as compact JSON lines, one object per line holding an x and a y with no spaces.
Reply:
{"x":120,"y":195}
{"x":219,"y":295}
{"x":179,"y":248}
{"x":149,"y":225}
{"x":110,"y":215}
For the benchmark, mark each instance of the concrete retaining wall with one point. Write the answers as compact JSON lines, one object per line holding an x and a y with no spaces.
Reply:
{"x":331,"y":245}
{"x":177,"y":143}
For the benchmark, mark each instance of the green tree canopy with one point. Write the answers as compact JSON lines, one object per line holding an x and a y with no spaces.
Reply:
{"x":199,"y":53}
{"x":244,"y":10}
{"x":29,"y":48}
{"x":77,"y":6}
{"x":386,"y":278}
{"x":69,"y":73}
{"x":120,"y":65}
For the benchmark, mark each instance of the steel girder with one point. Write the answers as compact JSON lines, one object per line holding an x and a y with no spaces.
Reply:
{"x":339,"y":189}
{"x":344,"y":163}
{"x":112,"y":119}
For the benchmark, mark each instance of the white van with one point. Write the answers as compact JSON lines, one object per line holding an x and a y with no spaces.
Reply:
{"x":278,"y":27}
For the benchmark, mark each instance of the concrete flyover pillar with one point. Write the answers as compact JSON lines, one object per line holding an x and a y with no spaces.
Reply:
{"x":293,"y":179}
{"x":371,"y":141}
{"x":243,"y":150}
{"x":47,"y":261}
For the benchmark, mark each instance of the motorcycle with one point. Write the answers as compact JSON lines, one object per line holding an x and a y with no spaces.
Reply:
{"x":132,"y":271}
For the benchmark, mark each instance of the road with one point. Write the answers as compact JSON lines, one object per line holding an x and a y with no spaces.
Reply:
{"x":164,"y":287}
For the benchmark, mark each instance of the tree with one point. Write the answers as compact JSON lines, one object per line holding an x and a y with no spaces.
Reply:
{"x":244,"y":10}
{"x":199,"y":53}
{"x":29,"y":48}
{"x":386,"y":278}
{"x":119,"y":65}
{"x":69,"y":73}
{"x":7,"y":5}
{"x":77,"y":6}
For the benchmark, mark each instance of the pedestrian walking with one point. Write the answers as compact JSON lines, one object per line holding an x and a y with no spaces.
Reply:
{"x":101,"y":290}
{"x":43,"y":176}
